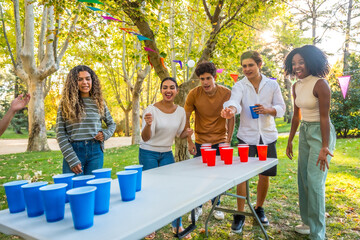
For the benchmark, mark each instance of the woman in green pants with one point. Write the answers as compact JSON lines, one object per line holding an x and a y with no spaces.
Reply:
{"x":317,"y":137}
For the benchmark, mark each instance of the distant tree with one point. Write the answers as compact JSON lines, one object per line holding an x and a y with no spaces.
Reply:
{"x":345,"y":113}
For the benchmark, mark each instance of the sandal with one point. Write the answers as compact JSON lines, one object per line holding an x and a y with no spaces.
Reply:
{"x":150,"y":236}
{"x":180,"y":230}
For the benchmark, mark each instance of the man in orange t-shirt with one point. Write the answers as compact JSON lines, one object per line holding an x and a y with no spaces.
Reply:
{"x":207,"y":101}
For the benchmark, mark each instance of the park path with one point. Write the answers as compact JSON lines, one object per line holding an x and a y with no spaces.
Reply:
{"x":8,"y":146}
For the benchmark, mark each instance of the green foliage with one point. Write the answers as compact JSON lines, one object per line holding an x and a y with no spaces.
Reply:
{"x":345,"y":113}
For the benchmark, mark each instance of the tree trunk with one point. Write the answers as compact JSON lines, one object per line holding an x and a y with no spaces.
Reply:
{"x":127,"y":125}
{"x":347,"y":37}
{"x":313,"y":24}
{"x":135,"y":138}
{"x":37,"y":131}
{"x":141,"y":75}
{"x":289,"y":106}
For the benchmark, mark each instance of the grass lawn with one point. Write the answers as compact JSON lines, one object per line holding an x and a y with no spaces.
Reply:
{"x":282,"y":127}
{"x":10,"y":134}
{"x":342,"y":188}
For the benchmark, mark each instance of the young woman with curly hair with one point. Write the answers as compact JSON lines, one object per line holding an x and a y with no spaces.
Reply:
{"x":79,"y":122}
{"x":317,"y":136}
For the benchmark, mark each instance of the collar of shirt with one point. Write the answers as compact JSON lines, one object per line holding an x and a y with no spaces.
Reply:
{"x":263,"y":81}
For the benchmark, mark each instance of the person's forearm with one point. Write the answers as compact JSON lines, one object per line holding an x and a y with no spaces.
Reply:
{"x":325,"y":131}
{"x":294,"y":126}
{"x":5,"y":121}
{"x":146,"y":133}
{"x":272,"y":112}
{"x":230,"y":127}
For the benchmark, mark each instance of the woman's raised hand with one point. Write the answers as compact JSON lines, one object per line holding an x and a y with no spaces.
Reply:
{"x":148,"y":119}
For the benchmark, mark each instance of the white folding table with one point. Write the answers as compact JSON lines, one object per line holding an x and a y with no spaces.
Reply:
{"x":167,"y":193}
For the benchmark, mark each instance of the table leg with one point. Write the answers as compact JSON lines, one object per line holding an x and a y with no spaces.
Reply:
{"x":248,"y":200}
{"x":187,"y":230}
{"x":211,"y":212}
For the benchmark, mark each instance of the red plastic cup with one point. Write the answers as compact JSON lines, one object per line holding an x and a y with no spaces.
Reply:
{"x":243,"y":152}
{"x":228,"y":155}
{"x":210,"y":154}
{"x":262,"y":152}
{"x":221,"y":146}
{"x":203,"y":156}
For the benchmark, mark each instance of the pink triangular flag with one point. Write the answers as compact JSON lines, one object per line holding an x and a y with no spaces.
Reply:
{"x":111,"y":18}
{"x":220,"y":70}
{"x":344,"y":84}
{"x":149,"y":49}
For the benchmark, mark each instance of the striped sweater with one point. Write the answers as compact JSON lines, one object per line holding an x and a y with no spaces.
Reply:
{"x":87,"y":129}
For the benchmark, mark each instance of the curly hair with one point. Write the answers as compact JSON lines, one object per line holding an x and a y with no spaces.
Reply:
{"x":71,"y":104}
{"x":315,"y":61}
{"x":205,"y":67}
{"x":254,"y":55}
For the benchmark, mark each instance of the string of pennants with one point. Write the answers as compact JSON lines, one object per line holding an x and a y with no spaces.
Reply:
{"x":343,"y":80}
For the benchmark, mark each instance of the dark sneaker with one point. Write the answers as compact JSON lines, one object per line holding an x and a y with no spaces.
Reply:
{"x":238,"y":223}
{"x":261,"y":214}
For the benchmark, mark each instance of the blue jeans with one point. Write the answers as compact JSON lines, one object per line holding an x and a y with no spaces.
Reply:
{"x":151,"y":159}
{"x":90,"y":155}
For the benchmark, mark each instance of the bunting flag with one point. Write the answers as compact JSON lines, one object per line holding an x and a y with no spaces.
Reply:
{"x":220,"y":70}
{"x":135,"y":33}
{"x":142,"y":38}
{"x":234,"y":76}
{"x":178,"y":61}
{"x":91,"y":1}
{"x":162,"y":62}
{"x":149,"y":49}
{"x":97,"y":9}
{"x":273,"y":79}
{"x":94,"y":8}
{"x":150,"y":61}
{"x":344,"y":84}
{"x":111,"y":18}
{"x":127,"y":30}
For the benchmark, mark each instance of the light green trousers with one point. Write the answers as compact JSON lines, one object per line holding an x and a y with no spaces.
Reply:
{"x":311,"y":180}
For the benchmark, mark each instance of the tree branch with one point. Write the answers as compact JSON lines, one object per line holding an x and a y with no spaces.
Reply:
{"x":27,"y":51}
{"x":42,"y":35}
{"x":207,"y":10}
{"x":233,"y":16}
{"x":17,"y":33}
{"x":6,"y":38}
{"x":66,"y":43}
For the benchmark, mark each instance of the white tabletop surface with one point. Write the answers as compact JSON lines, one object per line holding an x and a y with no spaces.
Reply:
{"x":167,"y":193}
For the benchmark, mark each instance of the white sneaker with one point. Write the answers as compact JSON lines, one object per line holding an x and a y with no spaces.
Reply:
{"x":302,"y":229}
{"x":219,"y":215}
{"x":198,"y":213}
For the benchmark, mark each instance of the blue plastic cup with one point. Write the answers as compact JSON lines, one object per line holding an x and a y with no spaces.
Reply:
{"x":127,"y":183}
{"x":82,"y":204}
{"x":15,"y":196}
{"x":138,"y":175}
{"x":253,"y":113}
{"x":102,"y":194}
{"x":102,"y":173}
{"x":33,"y":199}
{"x":53,"y":196}
{"x":65,"y":178}
{"x":80,"y":181}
